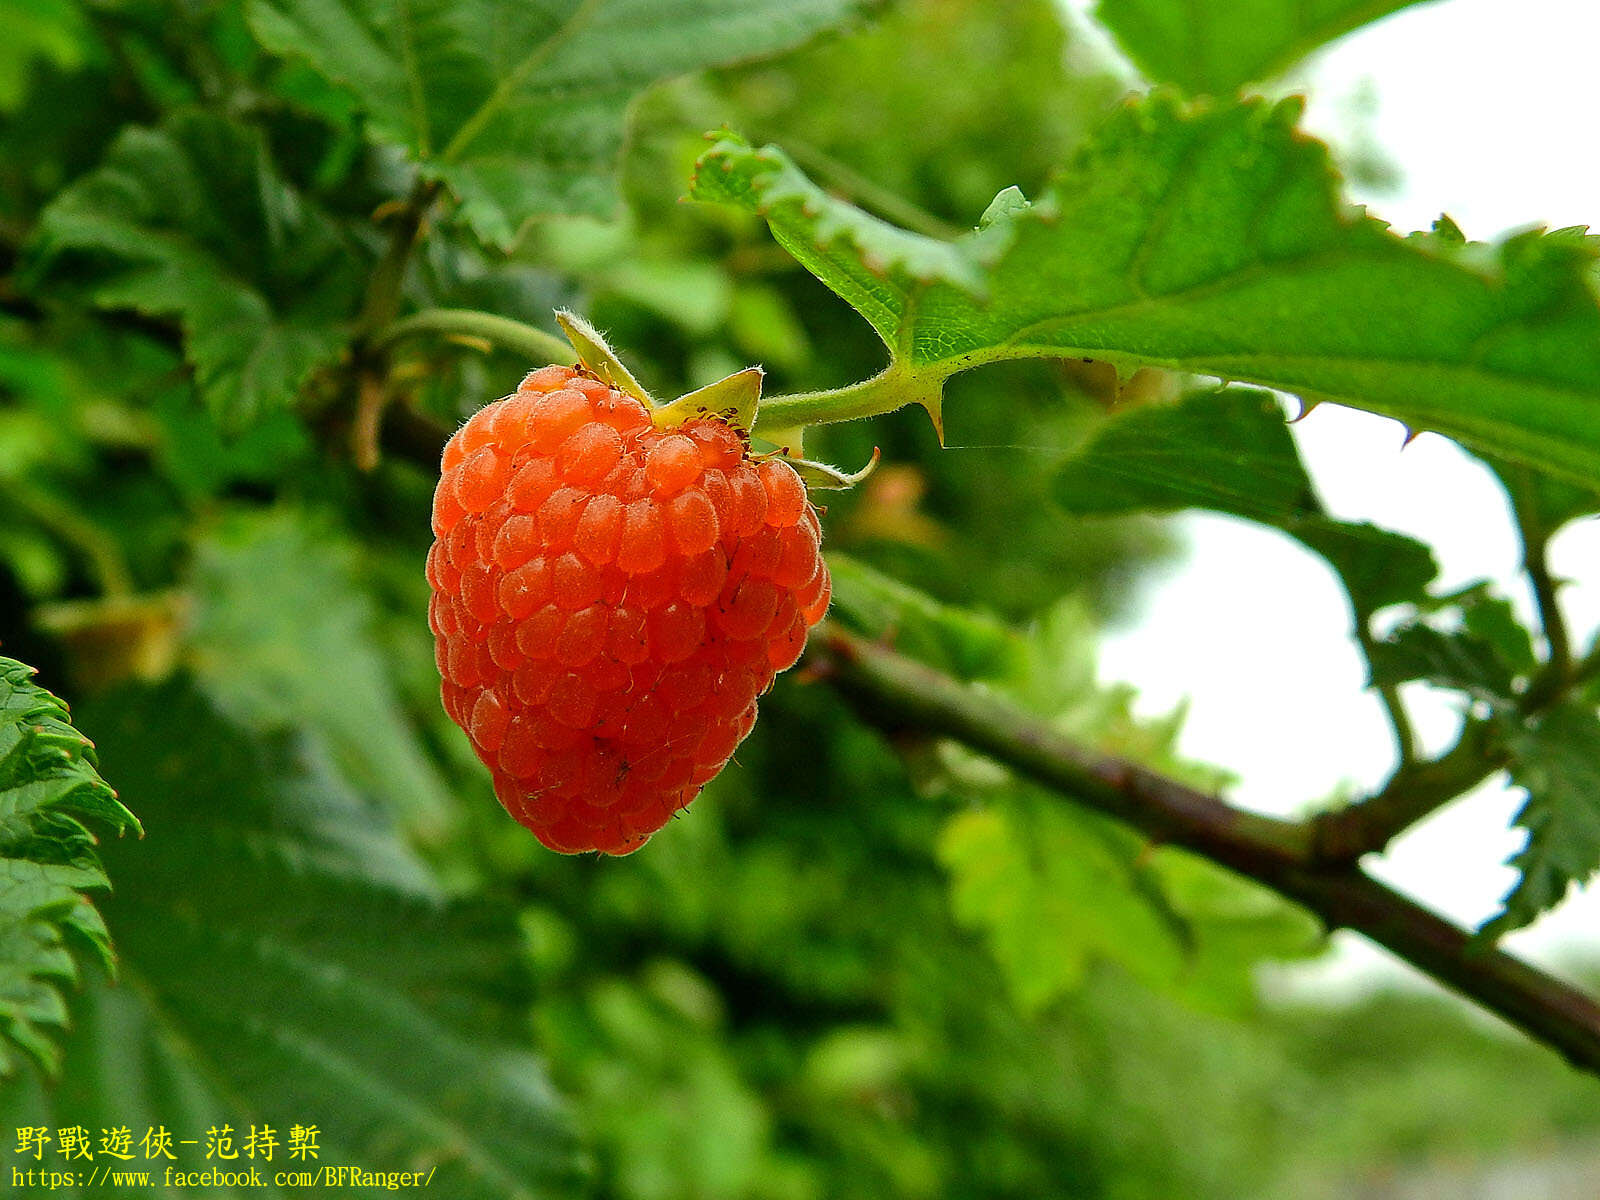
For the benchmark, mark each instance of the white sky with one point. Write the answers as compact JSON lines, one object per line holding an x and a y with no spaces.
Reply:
{"x":1489,"y":110}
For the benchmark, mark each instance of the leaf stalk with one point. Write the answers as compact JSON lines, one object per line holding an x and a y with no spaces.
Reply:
{"x":532,"y":343}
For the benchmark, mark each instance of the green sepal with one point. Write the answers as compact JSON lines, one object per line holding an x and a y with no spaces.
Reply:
{"x":1006,"y":204}
{"x":733,"y":400}
{"x":829,"y":478}
{"x":598,"y":358}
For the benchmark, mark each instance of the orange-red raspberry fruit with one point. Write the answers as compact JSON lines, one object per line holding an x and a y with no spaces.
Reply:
{"x":609,"y":599}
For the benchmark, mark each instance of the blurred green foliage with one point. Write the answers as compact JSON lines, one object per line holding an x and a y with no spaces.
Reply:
{"x":862,"y":965}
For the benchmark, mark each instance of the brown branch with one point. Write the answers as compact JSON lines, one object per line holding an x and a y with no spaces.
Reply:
{"x":895,"y":692}
{"x":1414,"y":791}
{"x":367,"y":426}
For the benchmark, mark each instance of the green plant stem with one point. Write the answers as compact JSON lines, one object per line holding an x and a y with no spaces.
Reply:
{"x":1418,"y":789}
{"x":890,"y":389}
{"x":532,"y":343}
{"x":386,"y":285}
{"x":1557,"y":673}
{"x":897,"y":693}
{"x":1413,"y":791}
{"x":99,"y":552}
{"x":1405,"y":739}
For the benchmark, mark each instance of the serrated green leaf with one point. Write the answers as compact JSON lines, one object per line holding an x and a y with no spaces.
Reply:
{"x":50,"y":793}
{"x":1055,"y":890}
{"x":283,"y":634}
{"x":1469,"y":641}
{"x":1493,"y":620}
{"x":1051,"y":897}
{"x":191,"y":220}
{"x":1229,"y":450}
{"x":875,"y":266}
{"x":520,"y":110}
{"x":1231,"y":925}
{"x":1213,"y":240}
{"x":1377,"y":566}
{"x":1455,"y":660}
{"x":1557,"y":759}
{"x":288,"y":961}
{"x":1216,"y":48}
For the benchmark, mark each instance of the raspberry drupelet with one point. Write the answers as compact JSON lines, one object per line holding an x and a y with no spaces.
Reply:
{"x":609,"y":600}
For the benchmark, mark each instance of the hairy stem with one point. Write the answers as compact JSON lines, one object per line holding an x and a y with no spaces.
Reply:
{"x":890,"y":389}
{"x":894,"y":692}
{"x":468,"y":324}
{"x":904,"y":693}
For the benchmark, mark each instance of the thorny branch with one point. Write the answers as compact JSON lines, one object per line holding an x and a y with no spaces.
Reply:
{"x":895,"y":692}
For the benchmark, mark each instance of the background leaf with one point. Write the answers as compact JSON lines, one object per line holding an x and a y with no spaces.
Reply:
{"x":192,"y":220}
{"x":520,"y":109}
{"x":287,"y":961}
{"x":1557,"y":759}
{"x":1230,"y":451}
{"x":1471,"y":641}
{"x":1216,"y":48}
{"x":49,"y":30}
{"x":284,"y":634}
{"x":1051,"y":896}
